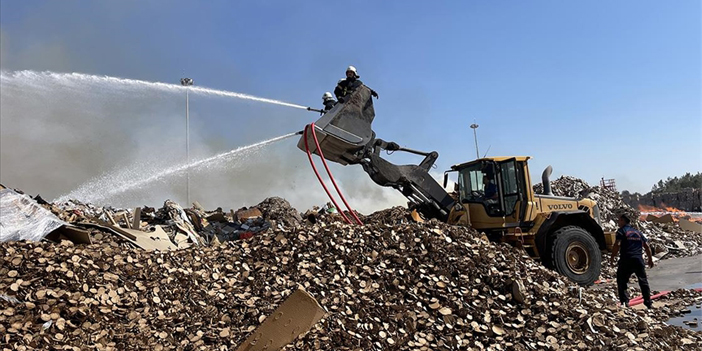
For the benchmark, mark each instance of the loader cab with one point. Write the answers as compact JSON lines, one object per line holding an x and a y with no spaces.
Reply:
{"x":494,"y":190}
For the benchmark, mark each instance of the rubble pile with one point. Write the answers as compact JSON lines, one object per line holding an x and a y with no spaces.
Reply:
{"x":391,"y":216}
{"x":609,"y":201}
{"x":611,"y":206}
{"x":567,"y":186}
{"x":408,"y":286}
{"x":182,"y":226}
{"x":609,"y":269}
{"x":280,"y":211}
{"x":668,"y":240}
{"x":676,"y":304}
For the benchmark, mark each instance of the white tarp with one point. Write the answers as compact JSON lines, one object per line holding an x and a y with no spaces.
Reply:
{"x":22,"y":218}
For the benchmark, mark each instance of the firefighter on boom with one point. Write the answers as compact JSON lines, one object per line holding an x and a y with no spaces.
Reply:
{"x":347,"y":86}
{"x":328,"y":102}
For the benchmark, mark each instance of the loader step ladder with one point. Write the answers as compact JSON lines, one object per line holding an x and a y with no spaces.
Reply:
{"x":311,"y":127}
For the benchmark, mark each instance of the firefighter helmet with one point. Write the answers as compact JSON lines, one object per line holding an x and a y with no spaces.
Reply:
{"x":352,"y":69}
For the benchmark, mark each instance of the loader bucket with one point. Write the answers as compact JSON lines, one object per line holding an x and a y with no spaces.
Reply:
{"x":345,"y":129}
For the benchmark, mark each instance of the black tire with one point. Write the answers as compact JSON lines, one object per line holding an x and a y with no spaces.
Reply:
{"x":576,"y":255}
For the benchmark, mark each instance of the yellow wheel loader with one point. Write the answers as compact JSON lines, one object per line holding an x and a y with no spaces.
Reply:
{"x":493,"y":195}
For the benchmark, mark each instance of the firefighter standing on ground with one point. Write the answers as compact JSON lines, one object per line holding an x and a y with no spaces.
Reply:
{"x":347,"y":86}
{"x":631,"y":243}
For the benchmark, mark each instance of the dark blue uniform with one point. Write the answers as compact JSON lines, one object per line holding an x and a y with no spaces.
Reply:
{"x":632,"y":242}
{"x":631,"y":261}
{"x":490,"y":190}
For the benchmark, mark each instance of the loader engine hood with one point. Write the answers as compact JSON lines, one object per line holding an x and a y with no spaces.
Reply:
{"x":345,"y":130}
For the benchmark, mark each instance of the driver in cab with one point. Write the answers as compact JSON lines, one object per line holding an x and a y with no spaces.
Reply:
{"x":490,"y":188}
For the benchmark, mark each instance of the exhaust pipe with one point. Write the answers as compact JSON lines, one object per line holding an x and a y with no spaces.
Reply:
{"x":545,"y":181}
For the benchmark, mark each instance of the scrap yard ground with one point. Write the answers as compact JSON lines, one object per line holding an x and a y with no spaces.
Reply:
{"x":677,"y":273}
{"x":391,"y":284}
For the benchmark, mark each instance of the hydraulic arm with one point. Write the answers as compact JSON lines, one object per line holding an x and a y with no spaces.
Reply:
{"x":413,"y":181}
{"x":345,"y":136}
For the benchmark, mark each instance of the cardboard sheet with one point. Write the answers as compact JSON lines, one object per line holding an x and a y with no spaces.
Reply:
{"x":295,"y":316}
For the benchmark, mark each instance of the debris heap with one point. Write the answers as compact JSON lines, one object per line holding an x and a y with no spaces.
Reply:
{"x":668,"y":240}
{"x":391,"y":216}
{"x":609,"y":201}
{"x":568,"y":186}
{"x":611,"y":205}
{"x":407,"y":286}
{"x":182,"y":226}
{"x":279,"y":210}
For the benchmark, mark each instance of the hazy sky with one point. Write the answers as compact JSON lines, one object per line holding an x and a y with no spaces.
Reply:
{"x":595,"y":88}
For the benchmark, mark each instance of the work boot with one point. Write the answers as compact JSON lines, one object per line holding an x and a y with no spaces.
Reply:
{"x":648,"y":304}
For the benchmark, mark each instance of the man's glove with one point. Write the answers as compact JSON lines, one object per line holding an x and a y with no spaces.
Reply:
{"x":374,"y":94}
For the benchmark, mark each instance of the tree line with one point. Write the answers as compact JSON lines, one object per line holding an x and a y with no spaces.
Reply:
{"x":675,"y":184}
{"x":678,"y":183}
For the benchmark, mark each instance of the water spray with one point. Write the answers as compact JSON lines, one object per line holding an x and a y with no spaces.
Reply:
{"x":68,"y":78}
{"x":114,"y":184}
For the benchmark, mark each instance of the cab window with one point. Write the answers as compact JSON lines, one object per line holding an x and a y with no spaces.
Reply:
{"x":477,"y":183}
{"x":470,"y":183}
{"x":510,"y":186}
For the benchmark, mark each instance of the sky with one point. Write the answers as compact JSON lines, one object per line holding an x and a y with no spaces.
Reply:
{"x":595,"y":89}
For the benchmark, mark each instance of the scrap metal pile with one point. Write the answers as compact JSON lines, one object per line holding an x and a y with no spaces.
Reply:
{"x":169,"y":227}
{"x":667,"y":239}
{"x":609,"y":201}
{"x":399,"y":286}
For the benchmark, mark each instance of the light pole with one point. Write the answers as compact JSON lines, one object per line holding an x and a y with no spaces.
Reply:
{"x":475,"y":135}
{"x":186,"y":82}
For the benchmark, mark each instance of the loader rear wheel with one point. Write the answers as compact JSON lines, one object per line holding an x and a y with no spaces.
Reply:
{"x":576,"y":255}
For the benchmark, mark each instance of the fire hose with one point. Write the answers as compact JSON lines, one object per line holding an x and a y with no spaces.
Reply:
{"x":319,"y":177}
{"x":639,"y":300}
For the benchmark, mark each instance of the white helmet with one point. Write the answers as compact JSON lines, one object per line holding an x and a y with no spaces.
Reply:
{"x":327,"y":96}
{"x":353,"y":69}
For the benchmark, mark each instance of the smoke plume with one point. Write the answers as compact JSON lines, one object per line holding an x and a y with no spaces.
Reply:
{"x":58,"y":134}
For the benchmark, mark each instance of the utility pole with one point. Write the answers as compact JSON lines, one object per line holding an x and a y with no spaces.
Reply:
{"x":475,"y":136}
{"x":186,"y":82}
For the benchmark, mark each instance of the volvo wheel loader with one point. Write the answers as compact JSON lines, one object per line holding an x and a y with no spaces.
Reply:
{"x":493,"y":195}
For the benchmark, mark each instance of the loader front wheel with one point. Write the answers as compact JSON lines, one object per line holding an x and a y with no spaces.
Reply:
{"x":576,"y":255}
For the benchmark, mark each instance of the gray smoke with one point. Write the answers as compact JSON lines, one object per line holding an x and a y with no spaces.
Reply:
{"x":60,"y":134}
{"x":56,"y":137}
